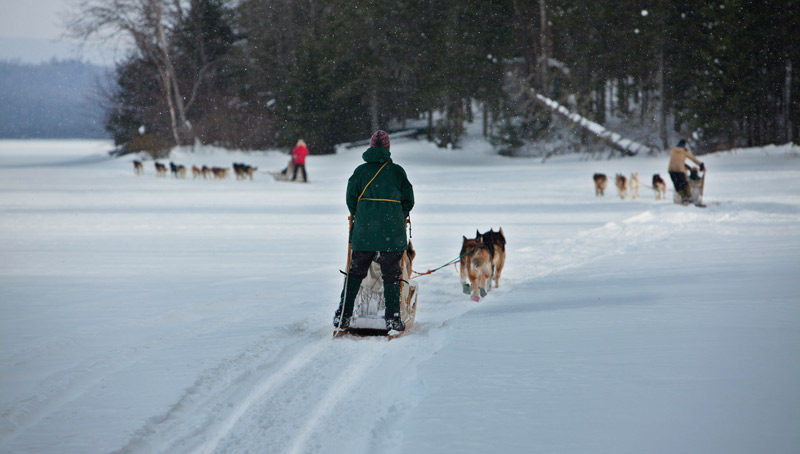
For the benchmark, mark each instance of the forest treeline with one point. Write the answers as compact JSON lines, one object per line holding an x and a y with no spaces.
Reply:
{"x":261,"y":73}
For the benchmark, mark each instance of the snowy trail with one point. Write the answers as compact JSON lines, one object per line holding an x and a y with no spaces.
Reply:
{"x":317,"y":376}
{"x":147,"y":315}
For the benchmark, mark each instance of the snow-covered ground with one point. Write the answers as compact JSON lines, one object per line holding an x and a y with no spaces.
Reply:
{"x":155,"y":315}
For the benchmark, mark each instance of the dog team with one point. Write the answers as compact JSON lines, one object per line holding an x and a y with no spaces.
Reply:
{"x":625,"y":185}
{"x":242,"y":171}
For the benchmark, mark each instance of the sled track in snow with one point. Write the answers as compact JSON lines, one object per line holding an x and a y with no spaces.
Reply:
{"x":274,"y":381}
{"x":282,"y":387}
{"x":70,"y":384}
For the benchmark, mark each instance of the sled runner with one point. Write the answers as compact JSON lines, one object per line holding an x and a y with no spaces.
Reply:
{"x":278,"y":176}
{"x":369,"y":306}
{"x":696,"y":185}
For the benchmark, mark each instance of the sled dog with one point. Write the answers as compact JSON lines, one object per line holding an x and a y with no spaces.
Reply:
{"x":161,"y":169}
{"x":243,"y":171}
{"x":409,"y":258}
{"x":659,"y":187}
{"x":622,"y":185}
{"x":138,"y":169}
{"x":476,"y":266}
{"x":496,"y":242}
{"x":634,"y":185}
{"x":220,"y":173}
{"x":600,"y":182}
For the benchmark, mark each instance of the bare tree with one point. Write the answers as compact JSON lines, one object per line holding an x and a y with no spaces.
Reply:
{"x":144,"y":22}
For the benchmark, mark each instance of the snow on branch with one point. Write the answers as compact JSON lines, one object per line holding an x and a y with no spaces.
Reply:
{"x":627,"y":146}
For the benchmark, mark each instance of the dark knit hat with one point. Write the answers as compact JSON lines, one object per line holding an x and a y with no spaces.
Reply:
{"x":682,"y":143}
{"x":379,"y":140}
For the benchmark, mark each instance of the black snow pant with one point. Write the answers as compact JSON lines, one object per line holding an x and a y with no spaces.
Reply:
{"x":360,"y":261}
{"x":299,"y":166}
{"x":681,"y":185}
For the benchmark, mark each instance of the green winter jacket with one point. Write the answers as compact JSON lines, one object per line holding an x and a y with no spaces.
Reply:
{"x":379,"y":225}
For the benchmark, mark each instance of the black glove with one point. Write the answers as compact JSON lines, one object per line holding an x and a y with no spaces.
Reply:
{"x":702,"y":167}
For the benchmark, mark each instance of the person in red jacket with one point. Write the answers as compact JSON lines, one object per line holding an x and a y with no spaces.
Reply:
{"x":299,"y":153}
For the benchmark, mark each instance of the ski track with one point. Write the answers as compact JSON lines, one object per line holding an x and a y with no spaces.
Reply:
{"x":221,"y":394}
{"x":273,"y":382}
{"x":68,"y":385}
{"x":347,"y":380}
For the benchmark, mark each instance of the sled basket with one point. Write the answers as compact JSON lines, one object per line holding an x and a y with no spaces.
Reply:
{"x":695,"y":188}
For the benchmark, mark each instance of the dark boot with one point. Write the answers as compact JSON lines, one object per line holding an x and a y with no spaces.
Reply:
{"x":395,"y":322}
{"x":339,"y":321}
{"x":348,"y":297}
{"x":391,"y":296}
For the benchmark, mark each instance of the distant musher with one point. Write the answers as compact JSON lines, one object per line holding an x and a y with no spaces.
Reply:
{"x":677,"y":170}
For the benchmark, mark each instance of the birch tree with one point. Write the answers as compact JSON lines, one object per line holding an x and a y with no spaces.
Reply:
{"x":145,"y":23}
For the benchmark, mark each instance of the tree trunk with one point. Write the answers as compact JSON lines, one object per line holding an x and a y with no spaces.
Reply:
{"x":545,"y":56}
{"x":787,"y":102}
{"x":430,"y":125}
{"x":373,"y":107}
{"x":485,"y":120}
{"x":172,"y":78}
{"x":661,"y":109}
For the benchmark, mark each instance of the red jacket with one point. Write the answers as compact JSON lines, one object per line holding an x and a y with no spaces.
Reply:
{"x":299,"y":154}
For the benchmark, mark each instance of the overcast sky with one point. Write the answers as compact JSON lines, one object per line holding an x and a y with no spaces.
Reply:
{"x":32,"y":18}
{"x":31,"y":30}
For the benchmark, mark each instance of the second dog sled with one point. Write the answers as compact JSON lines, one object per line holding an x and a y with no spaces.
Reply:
{"x":696,"y":186}
{"x":286,"y":174}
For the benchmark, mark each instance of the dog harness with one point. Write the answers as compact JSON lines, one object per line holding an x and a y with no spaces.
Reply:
{"x":361,"y":197}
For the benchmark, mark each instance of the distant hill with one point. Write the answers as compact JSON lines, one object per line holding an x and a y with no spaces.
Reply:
{"x":57,"y":99}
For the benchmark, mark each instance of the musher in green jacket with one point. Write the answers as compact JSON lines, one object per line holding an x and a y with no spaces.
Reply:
{"x":380,"y":198}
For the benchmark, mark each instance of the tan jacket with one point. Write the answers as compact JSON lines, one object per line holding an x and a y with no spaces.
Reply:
{"x":677,"y":159}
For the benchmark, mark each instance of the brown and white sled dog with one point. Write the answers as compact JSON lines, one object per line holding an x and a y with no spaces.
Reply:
{"x":634,"y":185}
{"x":496,"y":241}
{"x":600,"y":183}
{"x":659,"y":187}
{"x":622,"y":185}
{"x":409,"y":259}
{"x":476,"y":266}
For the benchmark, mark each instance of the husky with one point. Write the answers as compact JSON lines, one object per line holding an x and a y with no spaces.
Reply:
{"x":476,"y":265}
{"x":622,"y":186}
{"x":634,"y":185}
{"x":600,"y":182}
{"x":138,"y":168}
{"x":161,"y":169}
{"x":196,"y":172}
{"x":220,"y":173}
{"x":659,"y":187}
{"x":409,"y":259}
{"x":243,"y":171}
{"x":496,"y":242}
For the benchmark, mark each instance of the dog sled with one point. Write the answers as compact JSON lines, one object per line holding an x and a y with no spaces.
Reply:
{"x":368,"y":310}
{"x":696,"y":186}
{"x":280,"y":175}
